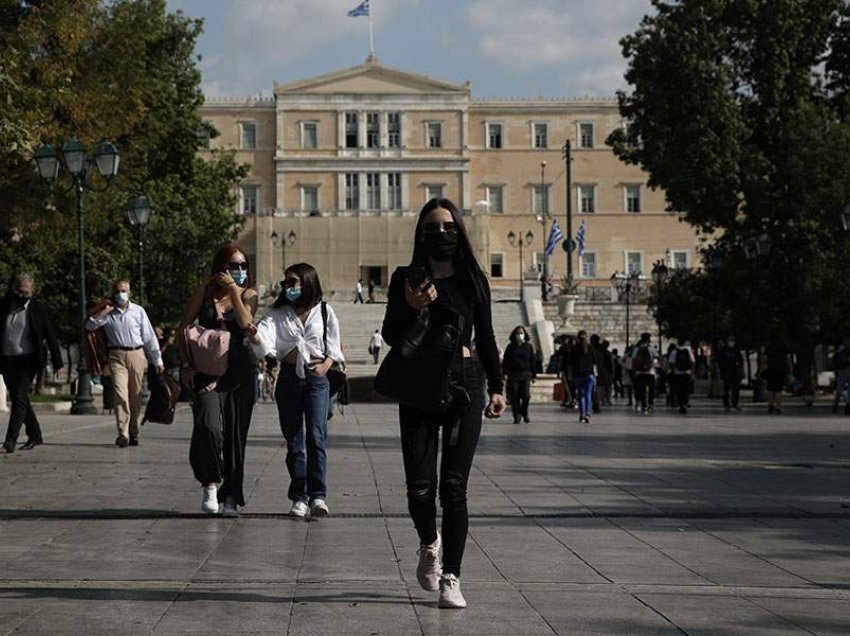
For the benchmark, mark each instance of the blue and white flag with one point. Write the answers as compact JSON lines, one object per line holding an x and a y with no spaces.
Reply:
{"x":580,"y":237}
{"x":555,"y":236}
{"x":359,"y":10}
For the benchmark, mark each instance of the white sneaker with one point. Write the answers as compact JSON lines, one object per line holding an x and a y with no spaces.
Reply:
{"x":450,"y":596}
{"x":430,"y":566}
{"x":299,"y":509}
{"x":318,"y":508}
{"x":230,"y":507}
{"x":210,"y":502}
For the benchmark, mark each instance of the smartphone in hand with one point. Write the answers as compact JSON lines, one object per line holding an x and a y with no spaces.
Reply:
{"x":416,"y":276}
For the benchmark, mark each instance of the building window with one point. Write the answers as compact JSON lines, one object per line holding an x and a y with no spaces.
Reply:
{"x":587,"y":199}
{"x":204,"y":138}
{"x":394,"y":190}
{"x":494,"y":196}
{"x":679,"y":259}
{"x":250,"y":197}
{"x":541,"y":199}
{"x":433,"y":192}
{"x":494,"y":135}
{"x":585,"y":135}
{"x":588,"y":265}
{"x":310,"y":198}
{"x":634,"y":263}
{"x":247,"y":135}
{"x":352,"y":191}
{"x":394,"y":130}
{"x":435,"y":135}
{"x":373,"y":191}
{"x":351,"y":130}
{"x":540,"y":134}
{"x":497,"y":265}
{"x":309,"y":134}
{"x":372,"y":130}
{"x":633,"y":198}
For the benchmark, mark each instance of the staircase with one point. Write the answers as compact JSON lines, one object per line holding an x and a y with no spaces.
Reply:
{"x":357,"y":324}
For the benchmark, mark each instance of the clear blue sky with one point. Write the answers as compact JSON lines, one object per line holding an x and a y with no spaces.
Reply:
{"x":511,"y":48}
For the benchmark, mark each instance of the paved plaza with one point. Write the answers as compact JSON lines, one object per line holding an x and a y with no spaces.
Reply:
{"x":709,"y":524}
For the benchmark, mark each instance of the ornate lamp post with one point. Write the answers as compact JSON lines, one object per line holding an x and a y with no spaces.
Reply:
{"x":520,"y":241}
{"x":542,"y":216}
{"x":289,"y":240}
{"x":139,"y":213}
{"x":81,"y":168}
{"x":755,"y":248}
{"x":660,"y":273}
{"x":626,"y":284}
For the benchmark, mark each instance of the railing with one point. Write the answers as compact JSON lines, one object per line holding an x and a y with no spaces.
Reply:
{"x":333,"y":212}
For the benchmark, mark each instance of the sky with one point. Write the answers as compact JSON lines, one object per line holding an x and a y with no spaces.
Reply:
{"x":505,"y":48}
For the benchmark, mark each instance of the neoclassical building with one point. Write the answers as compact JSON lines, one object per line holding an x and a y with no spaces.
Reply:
{"x":341,"y":164}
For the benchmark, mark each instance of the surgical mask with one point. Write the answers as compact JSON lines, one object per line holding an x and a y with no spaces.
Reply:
{"x":441,"y":246}
{"x":293,"y":294}
{"x":121,"y":298}
{"x":519,"y":338}
{"x":240,"y":276}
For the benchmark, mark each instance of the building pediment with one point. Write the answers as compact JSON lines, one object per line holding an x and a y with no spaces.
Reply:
{"x":370,"y":78}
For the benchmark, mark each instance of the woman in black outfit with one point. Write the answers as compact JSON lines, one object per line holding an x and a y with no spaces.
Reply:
{"x":519,"y":367}
{"x":455,"y":285}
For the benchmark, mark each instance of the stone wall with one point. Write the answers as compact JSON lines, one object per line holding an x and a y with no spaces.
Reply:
{"x":608,"y":319}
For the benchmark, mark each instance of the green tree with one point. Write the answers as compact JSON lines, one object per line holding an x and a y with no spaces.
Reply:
{"x":738,"y":109}
{"x":125,"y":70}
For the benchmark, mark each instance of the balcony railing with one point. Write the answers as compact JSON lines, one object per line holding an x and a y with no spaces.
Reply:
{"x":333,"y":212}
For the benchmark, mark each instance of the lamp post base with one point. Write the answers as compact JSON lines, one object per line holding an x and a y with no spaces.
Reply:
{"x":83,"y":400}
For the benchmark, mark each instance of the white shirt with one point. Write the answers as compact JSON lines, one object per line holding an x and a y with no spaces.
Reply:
{"x":281,"y":331}
{"x":129,"y":327}
{"x":17,"y":340}
{"x":377,"y":341}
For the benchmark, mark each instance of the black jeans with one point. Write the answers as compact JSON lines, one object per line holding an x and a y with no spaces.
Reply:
{"x":19,"y":374}
{"x":731,"y":389}
{"x":645,"y":390}
{"x":681,"y":386}
{"x":519,"y":394}
{"x":420,"y":433}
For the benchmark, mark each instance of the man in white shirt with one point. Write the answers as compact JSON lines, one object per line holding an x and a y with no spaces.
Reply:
{"x":643,"y":364}
{"x":129,"y":338}
{"x":375,"y":345}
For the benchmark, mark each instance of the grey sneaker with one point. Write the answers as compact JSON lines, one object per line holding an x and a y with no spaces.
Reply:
{"x":230,"y":508}
{"x":450,"y":596}
{"x":430,"y":565}
{"x":299,"y":509}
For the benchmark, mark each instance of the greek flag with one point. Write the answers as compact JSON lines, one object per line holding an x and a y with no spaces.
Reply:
{"x":555,"y":236}
{"x":360,"y":9}
{"x":580,"y":239}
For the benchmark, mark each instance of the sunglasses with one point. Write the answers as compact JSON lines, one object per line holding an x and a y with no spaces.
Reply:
{"x":449,"y":227}
{"x":242,"y":265}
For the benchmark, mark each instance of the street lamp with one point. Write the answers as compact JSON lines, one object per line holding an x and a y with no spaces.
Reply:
{"x":520,"y":241}
{"x":756,"y":247}
{"x":289,"y":240}
{"x":139,"y":212}
{"x":659,"y":277}
{"x":542,"y":216}
{"x":626,"y":284}
{"x":80,"y":166}
{"x":713,"y":261}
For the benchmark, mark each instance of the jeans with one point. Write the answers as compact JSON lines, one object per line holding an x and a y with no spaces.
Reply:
{"x":681,"y":386}
{"x":519,"y":393}
{"x":420,"y":438}
{"x":302,"y":407}
{"x":731,"y":389}
{"x":645,"y":390}
{"x":585,"y":385}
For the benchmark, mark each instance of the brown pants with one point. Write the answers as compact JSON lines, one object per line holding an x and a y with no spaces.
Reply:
{"x":127,"y":369}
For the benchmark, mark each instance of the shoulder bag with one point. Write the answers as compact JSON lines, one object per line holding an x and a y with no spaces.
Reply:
{"x":207,"y":348}
{"x":335,"y":375}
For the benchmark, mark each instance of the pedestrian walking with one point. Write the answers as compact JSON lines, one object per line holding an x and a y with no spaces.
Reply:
{"x":358,"y":292}
{"x":371,"y":291}
{"x":375,"y":344}
{"x":132,"y":343}
{"x":643,"y":366}
{"x":682,"y":363}
{"x":617,"y":361}
{"x":26,"y":335}
{"x":302,"y":331}
{"x":518,"y":366}
{"x":841,"y":367}
{"x":453,"y":286}
{"x":584,"y":359}
{"x":222,"y":406}
{"x":565,"y":372}
{"x":777,"y":368}
{"x":730,"y":365}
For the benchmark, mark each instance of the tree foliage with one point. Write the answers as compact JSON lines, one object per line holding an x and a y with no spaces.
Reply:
{"x":739,"y":110}
{"x":126,"y":71}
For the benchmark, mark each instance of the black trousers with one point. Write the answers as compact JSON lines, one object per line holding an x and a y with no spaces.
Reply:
{"x":219,"y":435}
{"x":645,"y":389}
{"x":420,"y":438}
{"x":519,"y":394}
{"x":731,"y":389}
{"x":681,"y":385}
{"x":18,"y":376}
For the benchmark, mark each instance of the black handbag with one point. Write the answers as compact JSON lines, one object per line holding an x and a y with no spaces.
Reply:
{"x":337,"y":379}
{"x":417,"y":371}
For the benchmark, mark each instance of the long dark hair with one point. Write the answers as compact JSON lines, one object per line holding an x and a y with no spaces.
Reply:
{"x":465,"y":262}
{"x":222,"y":259}
{"x":311,"y":288}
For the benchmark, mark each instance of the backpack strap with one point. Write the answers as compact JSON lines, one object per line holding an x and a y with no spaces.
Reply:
{"x":325,"y":326}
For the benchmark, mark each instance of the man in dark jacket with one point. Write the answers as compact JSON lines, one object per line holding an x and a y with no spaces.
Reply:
{"x":519,"y":366}
{"x":24,"y":330}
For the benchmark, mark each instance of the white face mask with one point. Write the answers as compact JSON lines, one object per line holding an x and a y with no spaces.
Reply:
{"x":121,"y":298}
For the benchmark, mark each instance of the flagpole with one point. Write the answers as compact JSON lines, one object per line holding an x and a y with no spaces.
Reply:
{"x":371,"y":40}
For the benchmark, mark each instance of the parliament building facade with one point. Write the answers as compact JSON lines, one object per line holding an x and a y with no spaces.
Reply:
{"x":342,"y":163}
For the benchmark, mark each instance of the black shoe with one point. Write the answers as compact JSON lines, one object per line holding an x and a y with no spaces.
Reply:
{"x":31,"y":443}
{"x":9,"y":446}
{"x":683,"y":410}
{"x":525,"y":419}
{"x":134,"y":441}
{"x":122,"y":442}
{"x":516,"y":420}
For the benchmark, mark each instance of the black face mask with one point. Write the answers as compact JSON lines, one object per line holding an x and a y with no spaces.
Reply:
{"x":441,"y":246}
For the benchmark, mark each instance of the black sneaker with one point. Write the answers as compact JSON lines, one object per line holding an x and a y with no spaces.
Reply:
{"x":31,"y":443}
{"x":122,"y":442}
{"x":134,"y":441}
{"x":9,"y":446}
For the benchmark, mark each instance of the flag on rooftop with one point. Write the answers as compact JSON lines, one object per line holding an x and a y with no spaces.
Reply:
{"x":580,"y":238}
{"x":360,"y":10}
